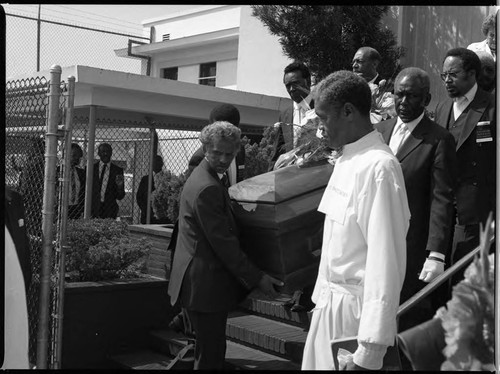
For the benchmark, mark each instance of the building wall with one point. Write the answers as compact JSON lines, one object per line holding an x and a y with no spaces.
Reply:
{"x":427,"y":32}
{"x":260,"y":58}
{"x":194,"y":22}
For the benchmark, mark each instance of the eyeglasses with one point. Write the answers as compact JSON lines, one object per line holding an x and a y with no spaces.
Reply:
{"x":452,"y":74}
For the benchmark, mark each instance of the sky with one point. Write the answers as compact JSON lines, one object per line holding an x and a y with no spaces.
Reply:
{"x":125,"y":18}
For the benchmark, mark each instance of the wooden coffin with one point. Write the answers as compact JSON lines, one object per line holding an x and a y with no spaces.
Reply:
{"x":281,"y":229}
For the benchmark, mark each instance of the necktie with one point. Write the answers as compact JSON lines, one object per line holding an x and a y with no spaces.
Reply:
{"x":102,"y":177}
{"x":398,"y":138}
{"x":225,"y":180}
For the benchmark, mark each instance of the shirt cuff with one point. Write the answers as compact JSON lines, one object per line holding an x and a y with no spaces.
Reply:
{"x":437,"y":254}
{"x":370,"y":356}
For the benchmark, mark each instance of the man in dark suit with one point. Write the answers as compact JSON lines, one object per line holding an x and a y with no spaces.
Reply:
{"x":142,"y":193}
{"x":297,"y":80}
{"x":231,"y":114}
{"x":76,"y":203}
{"x":469,"y":114}
{"x":426,"y":152}
{"x":108,"y":185}
{"x":211,"y":274}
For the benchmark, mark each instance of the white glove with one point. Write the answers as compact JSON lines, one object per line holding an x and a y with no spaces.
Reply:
{"x":431,"y":270}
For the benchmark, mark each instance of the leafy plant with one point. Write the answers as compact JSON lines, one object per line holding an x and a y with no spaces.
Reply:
{"x":102,"y":249}
{"x":167,"y":194}
{"x":326,"y":37}
{"x":258,"y":155}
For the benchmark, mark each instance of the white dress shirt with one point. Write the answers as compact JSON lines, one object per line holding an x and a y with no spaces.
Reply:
{"x":398,"y":137}
{"x":104,"y":179}
{"x":462,"y":102}
{"x":299,"y":114}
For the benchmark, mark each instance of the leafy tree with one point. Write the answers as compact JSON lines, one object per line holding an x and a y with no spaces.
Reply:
{"x":326,"y":37}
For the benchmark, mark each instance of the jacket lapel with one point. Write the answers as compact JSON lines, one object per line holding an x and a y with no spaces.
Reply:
{"x":414,"y":139}
{"x":445,"y":113}
{"x":476,"y":110}
{"x":386,"y":129}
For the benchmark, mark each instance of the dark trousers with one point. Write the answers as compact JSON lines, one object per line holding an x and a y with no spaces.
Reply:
{"x":465,"y":239}
{"x":210,"y":331}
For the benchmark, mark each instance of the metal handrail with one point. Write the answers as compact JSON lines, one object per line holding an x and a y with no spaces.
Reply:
{"x":424,"y":292}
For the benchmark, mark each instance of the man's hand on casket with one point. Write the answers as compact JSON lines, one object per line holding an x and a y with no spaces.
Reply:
{"x":267,"y":283}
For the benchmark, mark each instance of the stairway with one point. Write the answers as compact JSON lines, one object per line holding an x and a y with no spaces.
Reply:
{"x":261,"y":335}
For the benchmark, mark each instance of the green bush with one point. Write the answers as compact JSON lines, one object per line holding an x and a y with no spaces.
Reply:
{"x":258,"y":155}
{"x":102,"y":249}
{"x":167,"y":194}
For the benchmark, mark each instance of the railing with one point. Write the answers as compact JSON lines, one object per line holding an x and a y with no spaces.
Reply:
{"x":487,"y":237}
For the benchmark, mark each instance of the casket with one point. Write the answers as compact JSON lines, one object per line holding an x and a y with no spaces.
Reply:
{"x":281,"y":228}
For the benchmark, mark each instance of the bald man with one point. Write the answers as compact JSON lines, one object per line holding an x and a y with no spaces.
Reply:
{"x":365,"y":63}
{"x":427,"y":155}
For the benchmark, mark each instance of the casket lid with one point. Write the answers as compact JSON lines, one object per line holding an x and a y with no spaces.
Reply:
{"x":283,"y":184}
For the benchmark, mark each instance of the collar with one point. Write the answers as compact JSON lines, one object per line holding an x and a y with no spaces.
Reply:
{"x":304,"y":104}
{"x":412,"y":124}
{"x":366,"y":141}
{"x":374,"y":79}
{"x":469,"y":95}
{"x":104,"y":163}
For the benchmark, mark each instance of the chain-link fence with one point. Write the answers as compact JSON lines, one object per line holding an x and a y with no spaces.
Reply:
{"x":26,"y":103}
{"x":81,"y":46}
{"x":131,"y":145}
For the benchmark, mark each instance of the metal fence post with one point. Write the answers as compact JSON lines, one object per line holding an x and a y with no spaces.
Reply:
{"x":90,"y":163}
{"x":59,"y":317}
{"x":150,"y":176}
{"x":48,"y":215}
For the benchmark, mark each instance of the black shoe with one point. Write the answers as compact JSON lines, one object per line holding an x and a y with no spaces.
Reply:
{"x":177,"y":324}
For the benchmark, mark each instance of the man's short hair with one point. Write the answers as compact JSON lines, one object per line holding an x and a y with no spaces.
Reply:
{"x":345,"y":87}
{"x":371,"y":53}
{"x":225,"y":112}
{"x":77,"y":147}
{"x":299,"y":66}
{"x":417,"y":73}
{"x":158,"y":158}
{"x":486,"y":59}
{"x":220,"y":130}
{"x":489,"y":22}
{"x":104,"y":145}
{"x":470,"y":60}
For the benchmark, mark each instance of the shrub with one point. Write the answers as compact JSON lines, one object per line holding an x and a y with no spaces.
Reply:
{"x":258,"y":155}
{"x":167,"y":194}
{"x":102,"y":249}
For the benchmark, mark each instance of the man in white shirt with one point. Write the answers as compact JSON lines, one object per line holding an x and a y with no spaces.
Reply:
{"x":489,"y":44}
{"x":363,"y":257}
{"x":297,"y":80}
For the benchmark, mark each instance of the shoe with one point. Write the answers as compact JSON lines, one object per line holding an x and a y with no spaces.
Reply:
{"x":177,"y":324}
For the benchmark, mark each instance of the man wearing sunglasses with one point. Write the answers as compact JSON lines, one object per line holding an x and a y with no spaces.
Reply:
{"x":469,"y":114}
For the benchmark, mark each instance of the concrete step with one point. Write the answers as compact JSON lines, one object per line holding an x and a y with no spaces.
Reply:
{"x":238,"y":356}
{"x":142,"y":360}
{"x":267,"y":334}
{"x":274,"y":308}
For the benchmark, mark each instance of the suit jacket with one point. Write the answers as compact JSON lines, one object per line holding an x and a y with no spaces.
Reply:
{"x":429,"y":164}
{"x":113,"y":192}
{"x":15,"y":221}
{"x":210,"y":271}
{"x":199,"y":155}
{"x":475,"y":195}
{"x":284,"y":138}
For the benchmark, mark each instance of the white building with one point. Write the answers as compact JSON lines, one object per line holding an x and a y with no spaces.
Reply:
{"x":215,"y":45}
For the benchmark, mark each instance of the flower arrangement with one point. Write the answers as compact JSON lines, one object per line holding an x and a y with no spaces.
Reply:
{"x":468,"y":319}
{"x":382,"y":101}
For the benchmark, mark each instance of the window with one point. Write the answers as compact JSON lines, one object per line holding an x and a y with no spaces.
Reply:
{"x":169,"y":73}
{"x":208,"y":72}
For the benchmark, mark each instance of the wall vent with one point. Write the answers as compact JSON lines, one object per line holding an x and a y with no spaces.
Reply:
{"x":166,"y":37}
